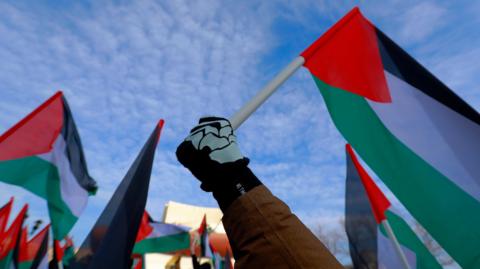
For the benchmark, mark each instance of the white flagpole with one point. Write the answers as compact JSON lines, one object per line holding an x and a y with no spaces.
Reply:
{"x":395,"y":243}
{"x":264,"y":93}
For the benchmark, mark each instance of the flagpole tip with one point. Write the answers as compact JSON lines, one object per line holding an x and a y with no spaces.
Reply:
{"x":161,"y":122}
{"x":349,"y":149}
{"x":159,"y":127}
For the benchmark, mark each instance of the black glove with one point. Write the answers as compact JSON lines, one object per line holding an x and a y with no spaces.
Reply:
{"x":211,"y":153}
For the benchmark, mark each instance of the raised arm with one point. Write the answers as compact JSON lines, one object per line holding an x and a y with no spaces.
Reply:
{"x":262,"y":231}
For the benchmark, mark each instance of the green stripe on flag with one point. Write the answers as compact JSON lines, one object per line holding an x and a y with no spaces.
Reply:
{"x":25,"y":265}
{"x":163,"y":244}
{"x":5,"y":263}
{"x":449,"y":214}
{"x":41,"y":178}
{"x":409,"y":239}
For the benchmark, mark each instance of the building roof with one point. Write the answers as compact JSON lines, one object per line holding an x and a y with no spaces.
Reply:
{"x":191,"y":216}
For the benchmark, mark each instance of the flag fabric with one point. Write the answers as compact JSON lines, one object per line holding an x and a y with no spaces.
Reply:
{"x":32,"y":254}
{"x":217,"y":261}
{"x":62,"y":253}
{"x":110,"y":242}
{"x":216,"y":258}
{"x":10,"y":238}
{"x":155,"y":237}
{"x":4,"y":215}
{"x":416,"y":134}
{"x":138,"y":263}
{"x":228,"y":261}
{"x":365,"y":208}
{"x":41,"y":259}
{"x":58,"y":250}
{"x":43,"y":154}
{"x":68,"y":252}
{"x":205,"y":249}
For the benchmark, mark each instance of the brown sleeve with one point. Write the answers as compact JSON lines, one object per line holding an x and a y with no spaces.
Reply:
{"x":264,"y":233}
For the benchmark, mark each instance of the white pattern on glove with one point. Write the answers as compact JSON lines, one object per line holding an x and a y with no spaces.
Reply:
{"x":218,"y":136}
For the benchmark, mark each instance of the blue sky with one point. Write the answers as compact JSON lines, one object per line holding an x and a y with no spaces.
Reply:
{"x":124,"y":64}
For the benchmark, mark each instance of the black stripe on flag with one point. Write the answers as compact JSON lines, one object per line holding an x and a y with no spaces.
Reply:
{"x":110,"y":242}
{"x":399,"y":63}
{"x":360,"y":224}
{"x":74,"y":149}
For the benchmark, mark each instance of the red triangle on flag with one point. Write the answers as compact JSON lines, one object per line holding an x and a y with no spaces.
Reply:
{"x":347,"y":57}
{"x":9,"y":238}
{"x":36,"y":133}
{"x":145,"y":228}
{"x":378,"y":201}
{"x":4,"y":215}
{"x":29,"y":249}
{"x":203,"y":226}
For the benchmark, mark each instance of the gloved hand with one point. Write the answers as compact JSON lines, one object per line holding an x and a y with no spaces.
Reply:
{"x":211,"y":153}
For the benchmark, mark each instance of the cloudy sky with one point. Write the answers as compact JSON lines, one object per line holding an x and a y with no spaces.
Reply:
{"x":123,"y":65}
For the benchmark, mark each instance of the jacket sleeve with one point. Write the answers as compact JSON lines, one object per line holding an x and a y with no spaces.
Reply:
{"x":264,"y":233}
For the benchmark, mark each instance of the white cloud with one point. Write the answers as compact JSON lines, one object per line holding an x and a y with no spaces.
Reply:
{"x":422,"y":20}
{"x":460,"y":73}
{"x":124,"y":67}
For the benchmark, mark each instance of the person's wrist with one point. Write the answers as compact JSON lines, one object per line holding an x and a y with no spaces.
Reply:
{"x":228,"y":189}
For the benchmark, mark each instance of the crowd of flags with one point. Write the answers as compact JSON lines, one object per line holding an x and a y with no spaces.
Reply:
{"x":33,"y":252}
{"x":11,"y":235}
{"x":43,"y":154}
{"x":412,"y":131}
{"x":208,"y":250}
{"x":20,"y":251}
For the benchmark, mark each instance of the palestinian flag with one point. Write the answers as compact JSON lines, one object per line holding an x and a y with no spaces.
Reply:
{"x":68,"y":251}
{"x":365,"y":208}
{"x":33,"y":253}
{"x":205,"y":248}
{"x":4,"y":214}
{"x":417,"y":135}
{"x":110,"y":242}
{"x":9,"y":240}
{"x":41,"y":259}
{"x":62,"y":253}
{"x":155,"y":237}
{"x":43,"y":154}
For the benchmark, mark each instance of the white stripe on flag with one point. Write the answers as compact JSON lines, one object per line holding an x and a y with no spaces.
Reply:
{"x":442,"y":137}
{"x":165,"y":229}
{"x":72,"y":193}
